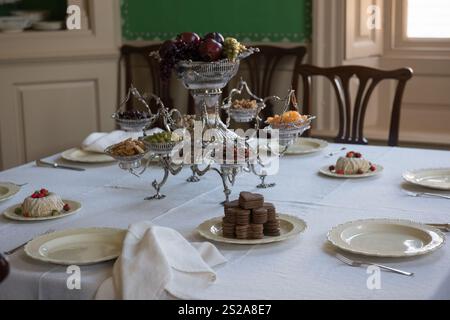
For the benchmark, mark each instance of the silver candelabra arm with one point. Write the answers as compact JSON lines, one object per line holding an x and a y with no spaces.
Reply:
{"x":169,"y":168}
{"x":200,"y":172}
{"x":228,"y":174}
{"x":141,"y":99}
{"x":166,"y":115}
{"x":262,"y":174}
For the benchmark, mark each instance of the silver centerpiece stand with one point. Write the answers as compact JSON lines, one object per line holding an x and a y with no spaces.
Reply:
{"x":205,"y":81}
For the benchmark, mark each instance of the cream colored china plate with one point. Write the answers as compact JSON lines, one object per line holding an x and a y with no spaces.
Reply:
{"x":290,"y":227}
{"x":326,"y":171}
{"x":74,"y":208}
{"x":77,"y":246}
{"x":8,"y":190}
{"x":78,"y":155}
{"x":386,"y":238}
{"x":306,"y":145}
{"x":438,"y":178}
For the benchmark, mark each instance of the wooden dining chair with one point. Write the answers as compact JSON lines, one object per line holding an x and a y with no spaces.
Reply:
{"x":262,"y":67}
{"x":156,"y":86}
{"x":4,"y":268}
{"x":351,"y":117}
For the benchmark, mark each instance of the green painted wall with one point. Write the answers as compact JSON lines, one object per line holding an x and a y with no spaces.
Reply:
{"x":247,"y":20}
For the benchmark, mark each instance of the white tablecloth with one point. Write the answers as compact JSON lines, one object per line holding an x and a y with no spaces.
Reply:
{"x":302,"y":268}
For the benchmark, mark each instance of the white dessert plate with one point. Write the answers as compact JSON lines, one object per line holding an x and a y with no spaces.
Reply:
{"x":438,"y":178}
{"x":14,"y":24}
{"x":8,"y":190}
{"x":74,"y":208}
{"x":326,"y":171}
{"x":306,"y":145}
{"x":290,"y":227}
{"x":386,"y":238}
{"x":77,"y":246}
{"x":32,"y":15}
{"x":78,"y":155}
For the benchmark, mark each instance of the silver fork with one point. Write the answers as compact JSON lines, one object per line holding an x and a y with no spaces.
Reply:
{"x":426,"y":194}
{"x":441,"y":226}
{"x":355,"y":263}
{"x":10,"y":252}
{"x":337,"y":151}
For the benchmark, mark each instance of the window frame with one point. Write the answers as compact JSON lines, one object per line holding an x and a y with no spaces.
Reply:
{"x":396,"y":15}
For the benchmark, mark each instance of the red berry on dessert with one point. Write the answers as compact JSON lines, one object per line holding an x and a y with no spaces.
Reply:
{"x":332,"y":168}
{"x":66,"y":207}
{"x":350,"y":154}
{"x":358,"y":155}
{"x":373,"y":168}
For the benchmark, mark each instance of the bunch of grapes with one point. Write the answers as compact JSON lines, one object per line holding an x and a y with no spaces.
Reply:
{"x":173,"y":51}
{"x":232,"y":48}
{"x":169,"y":58}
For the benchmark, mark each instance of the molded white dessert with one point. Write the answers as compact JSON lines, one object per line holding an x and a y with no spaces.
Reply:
{"x":352,"y":165}
{"x":43,"y":206}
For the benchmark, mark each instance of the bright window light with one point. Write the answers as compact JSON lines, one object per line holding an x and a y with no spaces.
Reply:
{"x":428,"y":19}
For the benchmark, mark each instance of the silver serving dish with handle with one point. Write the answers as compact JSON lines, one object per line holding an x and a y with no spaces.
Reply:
{"x":242,"y":115}
{"x":162,"y":147}
{"x":127,"y":162}
{"x":289,"y":132}
{"x":133,"y":125}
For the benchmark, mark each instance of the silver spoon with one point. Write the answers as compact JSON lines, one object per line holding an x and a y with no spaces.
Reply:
{"x":335,"y":152}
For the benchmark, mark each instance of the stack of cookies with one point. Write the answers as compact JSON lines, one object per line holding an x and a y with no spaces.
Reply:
{"x":250,"y":217}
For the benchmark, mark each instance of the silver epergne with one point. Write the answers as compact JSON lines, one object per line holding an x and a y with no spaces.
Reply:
{"x":205,"y":81}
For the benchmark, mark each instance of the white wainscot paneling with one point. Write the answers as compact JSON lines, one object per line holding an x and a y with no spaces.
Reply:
{"x":56,"y":116}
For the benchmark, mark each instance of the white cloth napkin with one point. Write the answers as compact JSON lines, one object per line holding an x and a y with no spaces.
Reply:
{"x":156,"y":261}
{"x":99,"y":141}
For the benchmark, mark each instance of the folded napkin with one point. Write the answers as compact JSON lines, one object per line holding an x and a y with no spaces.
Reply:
{"x":99,"y":141}
{"x":157,"y":261}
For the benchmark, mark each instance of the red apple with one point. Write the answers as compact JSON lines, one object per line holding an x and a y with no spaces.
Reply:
{"x":189,"y":37}
{"x":215,"y":36}
{"x":210,"y":50}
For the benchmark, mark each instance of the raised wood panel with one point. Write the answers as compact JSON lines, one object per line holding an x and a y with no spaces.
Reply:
{"x":428,"y":90}
{"x":57,"y":116}
{"x":426,"y":118}
{"x":361,"y":41}
{"x":94,"y":83}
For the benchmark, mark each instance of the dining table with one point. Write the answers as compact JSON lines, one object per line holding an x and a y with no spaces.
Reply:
{"x":304,"y":267}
